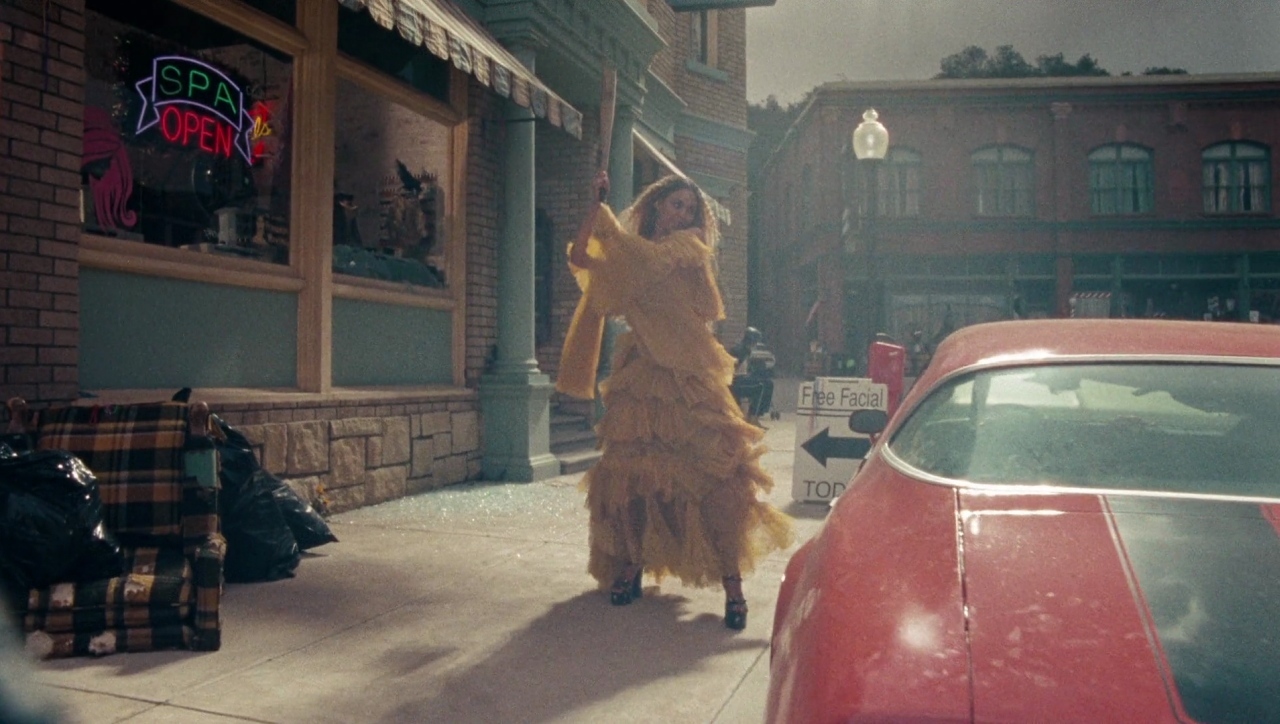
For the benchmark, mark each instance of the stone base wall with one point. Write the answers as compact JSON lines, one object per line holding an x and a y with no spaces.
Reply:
{"x":352,"y":453}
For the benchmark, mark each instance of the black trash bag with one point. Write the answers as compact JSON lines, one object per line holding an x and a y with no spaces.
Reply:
{"x":51,"y":527}
{"x":260,"y":546}
{"x":262,"y":515}
{"x":309,"y":529}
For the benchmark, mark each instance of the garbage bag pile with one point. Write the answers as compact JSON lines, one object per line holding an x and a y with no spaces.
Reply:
{"x":52,"y":531}
{"x":51,"y":527}
{"x":266,"y":524}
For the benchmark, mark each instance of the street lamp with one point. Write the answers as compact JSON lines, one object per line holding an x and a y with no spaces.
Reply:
{"x":870,"y":145}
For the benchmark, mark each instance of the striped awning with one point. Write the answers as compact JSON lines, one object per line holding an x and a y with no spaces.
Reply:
{"x":452,"y":35}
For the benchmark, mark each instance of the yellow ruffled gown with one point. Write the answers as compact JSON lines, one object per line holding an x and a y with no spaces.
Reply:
{"x":677,"y":487}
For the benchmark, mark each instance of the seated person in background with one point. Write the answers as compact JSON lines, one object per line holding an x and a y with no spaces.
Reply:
{"x":753,"y":376}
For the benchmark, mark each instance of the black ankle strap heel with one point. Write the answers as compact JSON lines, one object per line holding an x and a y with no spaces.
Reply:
{"x":735,"y":607}
{"x":625,"y":590}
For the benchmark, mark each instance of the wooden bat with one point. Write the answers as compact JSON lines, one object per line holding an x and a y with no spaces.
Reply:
{"x":608,"y":103}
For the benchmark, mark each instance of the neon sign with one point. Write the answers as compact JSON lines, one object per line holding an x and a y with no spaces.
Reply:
{"x":195,"y":104}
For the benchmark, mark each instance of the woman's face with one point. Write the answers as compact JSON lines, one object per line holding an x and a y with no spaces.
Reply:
{"x":675,"y":211}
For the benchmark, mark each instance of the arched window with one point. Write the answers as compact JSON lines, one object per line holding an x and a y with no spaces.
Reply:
{"x":899,"y":183}
{"x":1003,"y":181}
{"x":1121,"y":179}
{"x":1237,"y":178}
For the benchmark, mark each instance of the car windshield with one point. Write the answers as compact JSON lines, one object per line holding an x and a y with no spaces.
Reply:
{"x":1175,"y":427}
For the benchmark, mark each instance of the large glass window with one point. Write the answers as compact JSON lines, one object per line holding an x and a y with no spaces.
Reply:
{"x":362,"y":38}
{"x":1121,"y":179}
{"x":1004,"y":181}
{"x":392,"y":172}
{"x":899,"y":183}
{"x":1237,"y":178}
{"x":186,"y":137}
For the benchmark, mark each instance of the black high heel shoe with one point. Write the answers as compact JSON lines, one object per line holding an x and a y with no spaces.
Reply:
{"x":625,"y":590}
{"x":735,"y":607}
{"x":735,"y":613}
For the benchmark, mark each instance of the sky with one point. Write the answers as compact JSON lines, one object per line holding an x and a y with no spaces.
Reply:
{"x":798,"y":44}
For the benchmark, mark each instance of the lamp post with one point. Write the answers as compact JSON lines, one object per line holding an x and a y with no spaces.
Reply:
{"x":870,"y":145}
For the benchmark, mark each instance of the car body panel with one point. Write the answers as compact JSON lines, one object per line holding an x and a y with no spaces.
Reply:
{"x":1047,"y":590}
{"x":929,"y":599}
{"x":907,"y":651}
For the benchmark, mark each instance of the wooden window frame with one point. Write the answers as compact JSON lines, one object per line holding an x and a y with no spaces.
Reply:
{"x":1123,"y":192}
{"x":316,"y":65}
{"x":1237,"y":167}
{"x":1011,"y":171}
{"x":704,"y":37}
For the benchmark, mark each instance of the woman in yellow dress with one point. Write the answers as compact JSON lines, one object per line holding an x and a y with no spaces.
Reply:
{"x":676,"y":489}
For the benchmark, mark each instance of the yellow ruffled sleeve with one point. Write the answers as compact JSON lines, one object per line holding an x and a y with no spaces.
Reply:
{"x":624,"y":268}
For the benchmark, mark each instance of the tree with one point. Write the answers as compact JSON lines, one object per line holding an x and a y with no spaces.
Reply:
{"x":973,"y":62}
{"x":769,"y":121}
{"x":1164,"y":70}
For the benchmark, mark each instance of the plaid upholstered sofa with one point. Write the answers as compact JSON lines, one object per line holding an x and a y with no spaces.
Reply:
{"x":157,"y":472}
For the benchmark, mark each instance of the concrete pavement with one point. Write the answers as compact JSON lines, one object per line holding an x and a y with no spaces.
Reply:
{"x":467,"y":604}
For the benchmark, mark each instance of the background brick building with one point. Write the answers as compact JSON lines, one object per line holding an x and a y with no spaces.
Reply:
{"x":1116,"y":196}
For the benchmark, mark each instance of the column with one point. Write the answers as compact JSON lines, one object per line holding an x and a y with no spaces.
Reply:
{"x":622,"y":192}
{"x":313,"y":159}
{"x":515,"y":396}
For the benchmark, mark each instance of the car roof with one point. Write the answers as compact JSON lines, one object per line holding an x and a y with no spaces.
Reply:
{"x":1043,"y":339}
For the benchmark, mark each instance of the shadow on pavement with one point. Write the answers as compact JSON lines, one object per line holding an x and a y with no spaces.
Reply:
{"x":580,"y":652}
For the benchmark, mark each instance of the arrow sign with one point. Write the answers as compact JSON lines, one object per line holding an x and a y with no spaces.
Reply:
{"x":822,"y":446}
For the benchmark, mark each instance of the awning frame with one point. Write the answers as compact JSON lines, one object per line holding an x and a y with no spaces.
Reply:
{"x":451,"y":35}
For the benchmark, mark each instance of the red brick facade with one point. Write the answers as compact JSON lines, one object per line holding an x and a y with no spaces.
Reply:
{"x":484,"y":194}
{"x":40,"y":128}
{"x":1176,"y":258}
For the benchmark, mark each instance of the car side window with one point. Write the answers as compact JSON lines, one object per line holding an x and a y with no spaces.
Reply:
{"x":1145,"y":427}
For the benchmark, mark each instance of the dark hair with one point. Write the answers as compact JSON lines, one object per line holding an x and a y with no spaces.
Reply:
{"x":644,"y":210}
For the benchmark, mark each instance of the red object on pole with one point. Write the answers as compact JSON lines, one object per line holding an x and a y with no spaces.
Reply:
{"x":886,"y":364}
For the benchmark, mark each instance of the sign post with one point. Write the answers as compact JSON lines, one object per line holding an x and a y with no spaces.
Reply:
{"x":828,"y":453}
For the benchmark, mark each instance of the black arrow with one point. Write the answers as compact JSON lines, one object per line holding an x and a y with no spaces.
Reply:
{"x":822,"y":446}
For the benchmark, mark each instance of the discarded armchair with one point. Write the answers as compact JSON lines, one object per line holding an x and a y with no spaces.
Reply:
{"x":157,"y":473}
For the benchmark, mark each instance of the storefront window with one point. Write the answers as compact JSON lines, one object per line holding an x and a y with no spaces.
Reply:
{"x":187,"y":132}
{"x":362,"y":38}
{"x":392,"y":172}
{"x":286,"y":11}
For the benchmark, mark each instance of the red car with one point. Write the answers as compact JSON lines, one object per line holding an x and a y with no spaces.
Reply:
{"x":1066,"y":520}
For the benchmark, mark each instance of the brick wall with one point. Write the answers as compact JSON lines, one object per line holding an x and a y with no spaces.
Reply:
{"x":484,"y":193}
{"x":674,"y":28}
{"x":721,"y":100}
{"x":565,"y":167}
{"x":41,"y":125}
{"x":945,"y":125}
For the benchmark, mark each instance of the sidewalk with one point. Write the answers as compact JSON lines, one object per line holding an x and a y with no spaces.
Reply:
{"x":468,"y":604}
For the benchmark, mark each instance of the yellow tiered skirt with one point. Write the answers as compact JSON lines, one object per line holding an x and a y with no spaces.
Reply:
{"x":677,"y":488}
